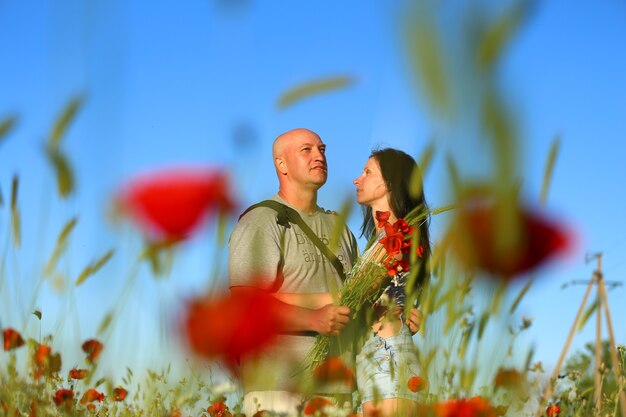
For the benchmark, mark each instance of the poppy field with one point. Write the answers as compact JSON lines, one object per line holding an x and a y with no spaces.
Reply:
{"x":494,"y":241}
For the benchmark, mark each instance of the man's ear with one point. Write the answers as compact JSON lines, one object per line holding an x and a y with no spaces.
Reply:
{"x":280,"y":165}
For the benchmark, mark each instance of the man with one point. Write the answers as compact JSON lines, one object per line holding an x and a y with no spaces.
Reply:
{"x":263,"y":253}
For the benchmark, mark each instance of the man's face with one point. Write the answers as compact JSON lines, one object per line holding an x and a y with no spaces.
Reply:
{"x":305,"y":160}
{"x":370,"y":185}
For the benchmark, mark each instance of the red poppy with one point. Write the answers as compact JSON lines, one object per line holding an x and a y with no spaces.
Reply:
{"x":119,"y":394}
{"x":417,"y":384}
{"x":32,"y":409}
{"x":316,"y":404}
{"x":230,"y":327}
{"x":78,"y":373}
{"x":394,"y":266}
{"x":42,"y":354}
{"x":508,"y":378}
{"x":382,"y":217}
{"x":553,"y":410}
{"x":479,"y":247}
{"x":12,"y":339}
{"x":91,"y":395}
{"x":219,"y":409}
{"x":474,"y":407}
{"x":170,"y":204}
{"x":92,"y":348}
{"x":45,"y":362}
{"x":420,"y":251}
{"x":392,"y":243}
{"x":333,"y":369}
{"x":402,"y":226}
{"x":63,"y":397}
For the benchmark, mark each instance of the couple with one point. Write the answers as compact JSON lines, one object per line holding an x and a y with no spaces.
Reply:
{"x":266,"y":253}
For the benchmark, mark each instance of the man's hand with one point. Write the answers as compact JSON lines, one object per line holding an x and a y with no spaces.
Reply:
{"x":330,"y":320}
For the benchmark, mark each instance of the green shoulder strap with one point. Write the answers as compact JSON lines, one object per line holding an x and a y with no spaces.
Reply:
{"x":287,"y":215}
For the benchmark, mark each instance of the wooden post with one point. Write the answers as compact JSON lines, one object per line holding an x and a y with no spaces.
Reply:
{"x":598,"y":362}
{"x":548,"y":391}
{"x":617,"y":369}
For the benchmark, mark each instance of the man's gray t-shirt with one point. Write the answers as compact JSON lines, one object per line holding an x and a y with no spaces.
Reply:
{"x":256,"y":257}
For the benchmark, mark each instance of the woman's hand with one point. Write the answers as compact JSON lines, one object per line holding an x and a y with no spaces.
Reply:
{"x":414,"y":321}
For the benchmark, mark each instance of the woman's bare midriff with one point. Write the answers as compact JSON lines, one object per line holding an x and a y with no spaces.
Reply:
{"x":388,"y":325}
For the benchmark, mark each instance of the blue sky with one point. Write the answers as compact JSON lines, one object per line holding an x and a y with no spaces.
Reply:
{"x":178,"y":83}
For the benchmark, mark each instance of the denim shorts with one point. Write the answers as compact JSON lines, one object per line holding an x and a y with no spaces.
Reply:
{"x":385,"y":365}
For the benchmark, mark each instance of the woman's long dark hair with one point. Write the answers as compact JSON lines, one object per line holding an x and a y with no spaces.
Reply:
{"x":397,"y":169}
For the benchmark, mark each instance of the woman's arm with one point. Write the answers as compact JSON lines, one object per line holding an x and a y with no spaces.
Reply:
{"x":313,"y":301}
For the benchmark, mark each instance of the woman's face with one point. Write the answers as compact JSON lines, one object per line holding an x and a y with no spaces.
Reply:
{"x":371,"y":189}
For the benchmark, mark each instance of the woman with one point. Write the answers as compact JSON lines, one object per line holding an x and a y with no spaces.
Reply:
{"x":388,"y":357}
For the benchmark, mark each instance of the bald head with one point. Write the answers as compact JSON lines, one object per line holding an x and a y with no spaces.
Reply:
{"x":289,"y":137}
{"x":299,"y":159}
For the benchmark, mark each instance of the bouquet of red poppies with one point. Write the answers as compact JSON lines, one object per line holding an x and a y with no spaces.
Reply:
{"x":380,"y":263}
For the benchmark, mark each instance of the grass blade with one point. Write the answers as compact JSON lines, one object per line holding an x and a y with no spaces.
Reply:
{"x":63,"y":121}
{"x":498,"y":35}
{"x":15,"y":185}
{"x":547,"y":174}
{"x":427,"y":58}
{"x":64,"y":176}
{"x":15,"y":213}
{"x":60,"y":246}
{"x":455,"y":177}
{"x":303,"y":91}
{"x":94,"y":267}
{"x":7,"y":125}
{"x":521,"y":295}
{"x":588,"y":313}
{"x":106,"y":322}
{"x":442,"y":209}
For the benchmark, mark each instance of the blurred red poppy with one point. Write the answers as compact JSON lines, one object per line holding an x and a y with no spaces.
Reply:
{"x":92,"y":348}
{"x":78,"y":373}
{"x":91,"y":395}
{"x":333,"y":369}
{"x":481,"y":244}
{"x":553,"y":410}
{"x":474,"y":407}
{"x":45,"y":362}
{"x":316,"y":404}
{"x":119,"y":394}
{"x":63,"y":397}
{"x":417,"y":384}
{"x":12,"y":339}
{"x":169,"y":204}
{"x":32,"y":409}
{"x":42,"y":353}
{"x":230,"y":327}
{"x":219,"y":409}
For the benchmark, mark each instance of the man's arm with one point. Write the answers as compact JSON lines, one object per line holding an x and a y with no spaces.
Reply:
{"x":328,"y":320}
{"x":313,"y":301}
